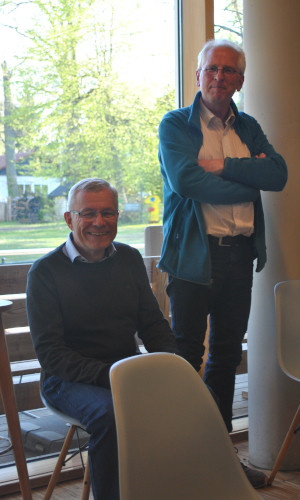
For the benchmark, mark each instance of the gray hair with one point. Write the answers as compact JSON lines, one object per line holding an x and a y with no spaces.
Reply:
{"x":91,"y":184}
{"x":211,"y":44}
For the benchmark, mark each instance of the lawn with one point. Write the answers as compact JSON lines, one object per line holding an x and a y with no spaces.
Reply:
{"x":16,"y":236}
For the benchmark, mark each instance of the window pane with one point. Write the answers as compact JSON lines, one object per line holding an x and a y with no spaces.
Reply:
{"x":86,"y":84}
{"x":228,"y":20}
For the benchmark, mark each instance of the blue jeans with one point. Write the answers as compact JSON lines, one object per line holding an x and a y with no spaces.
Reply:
{"x":93,"y":407}
{"x":227,"y":300}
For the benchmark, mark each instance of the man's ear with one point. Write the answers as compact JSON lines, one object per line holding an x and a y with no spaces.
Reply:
{"x":68,"y":219}
{"x":198,"y":77}
{"x":240,"y":83}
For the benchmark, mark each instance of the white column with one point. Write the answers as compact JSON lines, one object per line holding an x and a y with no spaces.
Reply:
{"x":272,"y":46}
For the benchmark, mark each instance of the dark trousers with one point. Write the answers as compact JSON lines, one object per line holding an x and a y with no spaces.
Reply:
{"x":93,"y":406}
{"x":227,"y":301}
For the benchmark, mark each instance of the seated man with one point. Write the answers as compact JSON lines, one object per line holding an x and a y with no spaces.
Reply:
{"x":86,"y":300}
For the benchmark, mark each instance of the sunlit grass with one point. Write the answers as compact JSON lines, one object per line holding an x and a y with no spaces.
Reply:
{"x":16,"y":236}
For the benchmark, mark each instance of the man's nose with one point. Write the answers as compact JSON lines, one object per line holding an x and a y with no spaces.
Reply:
{"x":219,"y":74}
{"x":99,"y":219}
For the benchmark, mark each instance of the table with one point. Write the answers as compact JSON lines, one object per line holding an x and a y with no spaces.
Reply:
{"x":10,"y":407}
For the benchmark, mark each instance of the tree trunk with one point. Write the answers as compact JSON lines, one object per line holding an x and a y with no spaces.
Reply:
{"x":9,"y":135}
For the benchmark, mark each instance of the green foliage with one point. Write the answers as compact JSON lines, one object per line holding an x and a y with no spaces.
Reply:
{"x":47,"y":211}
{"x":74,"y":113}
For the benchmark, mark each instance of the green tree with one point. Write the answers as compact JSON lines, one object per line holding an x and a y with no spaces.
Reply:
{"x":9,"y":134}
{"x":74,"y":112}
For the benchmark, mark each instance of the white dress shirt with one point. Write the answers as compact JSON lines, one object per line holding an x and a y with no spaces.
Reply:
{"x":220,"y":142}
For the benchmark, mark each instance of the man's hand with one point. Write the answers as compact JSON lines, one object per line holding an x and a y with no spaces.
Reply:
{"x":213,"y":166}
{"x":262,"y":155}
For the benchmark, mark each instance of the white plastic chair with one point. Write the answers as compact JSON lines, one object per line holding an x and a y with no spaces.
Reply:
{"x":287,"y":303}
{"x":172,"y":441}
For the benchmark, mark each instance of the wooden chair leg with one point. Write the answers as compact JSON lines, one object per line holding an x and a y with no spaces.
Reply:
{"x":285,"y":445}
{"x":12,"y":416}
{"x":60,"y":462}
{"x":86,"y":483}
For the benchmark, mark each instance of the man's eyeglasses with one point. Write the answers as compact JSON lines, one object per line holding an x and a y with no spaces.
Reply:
{"x":92,"y":214}
{"x":214,"y":70}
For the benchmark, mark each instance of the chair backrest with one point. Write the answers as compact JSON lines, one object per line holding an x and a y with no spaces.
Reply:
{"x":287,"y":301}
{"x":153,"y":237}
{"x":172,"y":441}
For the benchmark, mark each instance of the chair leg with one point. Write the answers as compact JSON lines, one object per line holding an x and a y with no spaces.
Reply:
{"x":60,"y":462}
{"x":285,"y":445}
{"x":86,"y":483}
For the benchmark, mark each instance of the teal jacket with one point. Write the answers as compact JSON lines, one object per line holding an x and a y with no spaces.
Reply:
{"x":185,"y":252}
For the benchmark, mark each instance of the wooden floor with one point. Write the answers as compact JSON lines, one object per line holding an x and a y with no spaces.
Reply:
{"x":70,"y":490}
{"x":286,"y":485}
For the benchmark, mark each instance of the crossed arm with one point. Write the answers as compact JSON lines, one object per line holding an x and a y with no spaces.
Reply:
{"x":220,"y":181}
{"x":216,"y":167}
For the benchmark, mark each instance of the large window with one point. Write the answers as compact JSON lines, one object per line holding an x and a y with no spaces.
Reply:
{"x":84,"y":86}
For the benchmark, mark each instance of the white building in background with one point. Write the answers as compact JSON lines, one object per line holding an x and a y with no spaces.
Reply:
{"x":27,"y":184}
{"x":30,"y":187}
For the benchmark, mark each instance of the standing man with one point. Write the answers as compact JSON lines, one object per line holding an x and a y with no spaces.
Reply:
{"x":214,"y":163}
{"x":86,"y":300}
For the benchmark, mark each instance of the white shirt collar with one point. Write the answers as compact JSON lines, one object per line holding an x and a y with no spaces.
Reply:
{"x":209,"y":118}
{"x":72,"y":253}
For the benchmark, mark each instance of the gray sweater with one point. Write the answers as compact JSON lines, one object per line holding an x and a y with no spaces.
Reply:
{"x":83,"y":317}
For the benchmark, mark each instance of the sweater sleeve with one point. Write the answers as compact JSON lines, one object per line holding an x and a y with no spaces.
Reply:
{"x":267,"y":174}
{"x":178,"y":154}
{"x":47,"y":331}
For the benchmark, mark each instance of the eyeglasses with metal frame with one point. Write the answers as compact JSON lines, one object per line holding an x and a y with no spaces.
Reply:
{"x":92,"y":214}
{"x":226,"y":70}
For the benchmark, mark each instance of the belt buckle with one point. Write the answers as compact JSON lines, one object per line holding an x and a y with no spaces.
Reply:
{"x":221,"y":244}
